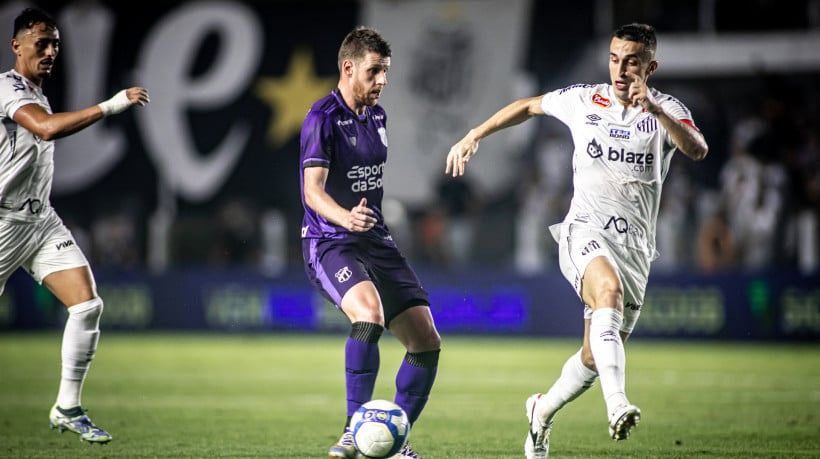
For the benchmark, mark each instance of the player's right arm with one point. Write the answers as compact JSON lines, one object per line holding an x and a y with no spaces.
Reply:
{"x":515,"y":113}
{"x":50,"y":126}
{"x":358,"y":219}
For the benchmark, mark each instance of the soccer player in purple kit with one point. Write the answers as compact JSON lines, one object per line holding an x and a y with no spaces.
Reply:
{"x":350,"y":256}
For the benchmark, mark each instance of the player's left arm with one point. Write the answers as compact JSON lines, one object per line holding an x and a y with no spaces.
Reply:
{"x":684,"y":134}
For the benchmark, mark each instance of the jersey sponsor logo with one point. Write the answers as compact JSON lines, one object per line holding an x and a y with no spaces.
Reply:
{"x":343,"y":275}
{"x":35,"y":206}
{"x":648,"y":124}
{"x":304,"y":230}
{"x":622,"y":226}
{"x":632,"y":306}
{"x":366,"y":177}
{"x":591,"y":246}
{"x":594,"y":149}
{"x":593,"y":119}
{"x":642,"y":161}
{"x":344,"y":122}
{"x":65,"y":244}
{"x":352,"y":140}
{"x":601,"y":101}
{"x":619,"y":133}
{"x":378,"y":117}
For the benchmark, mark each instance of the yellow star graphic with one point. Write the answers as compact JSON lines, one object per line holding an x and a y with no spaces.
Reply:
{"x":291,"y":95}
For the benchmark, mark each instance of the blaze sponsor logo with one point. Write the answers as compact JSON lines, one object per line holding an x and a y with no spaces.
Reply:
{"x":601,"y":101}
{"x":622,"y":226}
{"x":642,"y":161}
{"x":65,"y":244}
{"x":366,"y":177}
{"x":591,"y":246}
{"x":343,"y":275}
{"x":594,"y":149}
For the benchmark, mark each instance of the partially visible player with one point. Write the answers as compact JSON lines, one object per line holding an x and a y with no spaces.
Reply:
{"x":349,"y":253}
{"x":625,"y":134}
{"x":32,"y":235}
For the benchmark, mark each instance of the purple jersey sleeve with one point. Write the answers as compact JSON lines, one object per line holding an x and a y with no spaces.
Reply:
{"x":354,"y":150}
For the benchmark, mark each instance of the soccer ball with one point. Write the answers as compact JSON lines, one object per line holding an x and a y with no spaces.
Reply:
{"x":380,"y":428}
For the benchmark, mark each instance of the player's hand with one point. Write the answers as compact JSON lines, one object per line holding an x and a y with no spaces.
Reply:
{"x":137,"y":95}
{"x":639,"y":94}
{"x":460,"y":153}
{"x":360,"y":218}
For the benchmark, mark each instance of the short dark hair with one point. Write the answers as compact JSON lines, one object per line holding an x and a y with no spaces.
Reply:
{"x":359,"y":42}
{"x":30,"y":17}
{"x":641,"y":33}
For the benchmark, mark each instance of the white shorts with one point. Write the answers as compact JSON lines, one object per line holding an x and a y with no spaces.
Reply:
{"x":578,"y":245}
{"x":40,"y":248}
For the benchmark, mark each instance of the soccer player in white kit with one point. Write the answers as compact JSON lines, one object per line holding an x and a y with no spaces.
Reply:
{"x":32,"y":235}
{"x":624,"y":135}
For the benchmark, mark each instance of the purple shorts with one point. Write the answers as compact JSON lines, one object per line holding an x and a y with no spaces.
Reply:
{"x":335,"y":265}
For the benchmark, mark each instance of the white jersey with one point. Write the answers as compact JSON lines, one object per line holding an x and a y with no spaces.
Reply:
{"x":26,"y":161}
{"x":621,"y":159}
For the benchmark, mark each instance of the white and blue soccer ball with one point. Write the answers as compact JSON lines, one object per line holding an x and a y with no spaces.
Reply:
{"x":380,"y":429}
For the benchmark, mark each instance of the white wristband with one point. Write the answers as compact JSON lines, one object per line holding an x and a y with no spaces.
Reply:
{"x":117,"y":104}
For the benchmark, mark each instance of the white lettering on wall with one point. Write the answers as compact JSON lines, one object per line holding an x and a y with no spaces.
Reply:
{"x":164,"y":68}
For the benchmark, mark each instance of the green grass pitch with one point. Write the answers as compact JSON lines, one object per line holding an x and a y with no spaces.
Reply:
{"x":166,"y":395}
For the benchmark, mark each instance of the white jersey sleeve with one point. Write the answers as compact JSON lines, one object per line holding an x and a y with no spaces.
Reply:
{"x":621,"y":158}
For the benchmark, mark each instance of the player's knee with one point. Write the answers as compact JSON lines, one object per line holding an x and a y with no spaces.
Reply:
{"x":432,"y":340}
{"x":92,"y":308}
{"x":610,"y":294}
{"x":366,"y":332}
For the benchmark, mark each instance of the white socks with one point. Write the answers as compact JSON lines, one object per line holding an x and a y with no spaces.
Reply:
{"x":608,"y":352}
{"x":80,"y":339}
{"x":575,"y":379}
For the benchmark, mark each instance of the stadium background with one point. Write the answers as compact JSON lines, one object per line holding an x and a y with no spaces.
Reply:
{"x":189,"y":209}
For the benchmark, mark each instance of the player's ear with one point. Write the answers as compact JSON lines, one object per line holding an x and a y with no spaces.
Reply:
{"x":652,"y":67}
{"x":347,"y":67}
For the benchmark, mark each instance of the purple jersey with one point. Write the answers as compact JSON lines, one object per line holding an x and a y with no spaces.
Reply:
{"x":354,"y":150}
